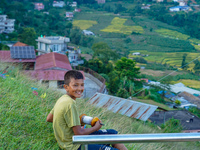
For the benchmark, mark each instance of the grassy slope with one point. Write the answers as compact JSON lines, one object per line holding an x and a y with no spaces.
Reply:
{"x":23,"y":115}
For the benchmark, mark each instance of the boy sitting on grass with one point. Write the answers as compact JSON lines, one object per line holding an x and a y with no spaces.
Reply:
{"x":65,"y":117}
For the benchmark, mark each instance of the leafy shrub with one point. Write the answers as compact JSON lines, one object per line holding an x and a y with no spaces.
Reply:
{"x":177,"y":102}
{"x":194,"y":110}
{"x":123,"y":93}
{"x":140,"y":60}
{"x":156,"y":66}
{"x":153,"y":97}
{"x":172,"y":126}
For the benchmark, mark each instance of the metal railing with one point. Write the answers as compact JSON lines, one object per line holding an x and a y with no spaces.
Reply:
{"x":135,"y":138}
{"x":94,"y":74}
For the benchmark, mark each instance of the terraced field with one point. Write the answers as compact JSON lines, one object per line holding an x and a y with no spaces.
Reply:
{"x":161,"y":42}
{"x":173,"y":59}
{"x":172,"y":34}
{"x":84,"y":24}
{"x":117,"y":26}
{"x":190,"y":83}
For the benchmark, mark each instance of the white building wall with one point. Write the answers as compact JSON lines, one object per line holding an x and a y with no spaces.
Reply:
{"x":53,"y":84}
{"x":6,"y":25}
{"x":174,"y":9}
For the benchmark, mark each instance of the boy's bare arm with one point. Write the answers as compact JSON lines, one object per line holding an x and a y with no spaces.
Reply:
{"x":50,"y":117}
{"x":81,"y":131}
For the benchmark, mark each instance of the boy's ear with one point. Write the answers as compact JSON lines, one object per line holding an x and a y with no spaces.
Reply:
{"x":65,"y":86}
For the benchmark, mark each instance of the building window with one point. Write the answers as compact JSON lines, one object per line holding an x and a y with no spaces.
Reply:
{"x":46,"y":83}
{"x":60,"y":84}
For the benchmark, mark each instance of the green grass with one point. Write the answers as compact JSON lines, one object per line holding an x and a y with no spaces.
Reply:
{"x":23,"y":117}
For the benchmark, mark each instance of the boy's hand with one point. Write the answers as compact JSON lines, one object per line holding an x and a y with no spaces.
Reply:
{"x":98,"y":125}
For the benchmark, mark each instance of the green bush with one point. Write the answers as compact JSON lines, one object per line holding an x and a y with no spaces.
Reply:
{"x":194,"y":110}
{"x":172,"y":126}
{"x":177,"y":102}
{"x":122,"y":92}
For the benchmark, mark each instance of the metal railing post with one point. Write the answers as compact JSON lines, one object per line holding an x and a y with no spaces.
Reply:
{"x":136,"y":138}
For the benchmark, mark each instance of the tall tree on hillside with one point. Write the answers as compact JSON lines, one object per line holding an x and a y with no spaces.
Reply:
{"x":104,"y":52}
{"x":197,"y":67}
{"x":126,"y":67}
{"x":28,"y":36}
{"x":183,"y":65}
{"x":75,"y":36}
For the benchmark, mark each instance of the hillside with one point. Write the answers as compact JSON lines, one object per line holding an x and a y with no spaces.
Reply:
{"x":23,"y":117}
{"x":163,"y":43}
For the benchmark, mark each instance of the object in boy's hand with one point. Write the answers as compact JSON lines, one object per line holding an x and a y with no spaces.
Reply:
{"x":88,"y":120}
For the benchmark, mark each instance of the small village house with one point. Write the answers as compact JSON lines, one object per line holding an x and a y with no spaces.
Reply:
{"x":87,"y":32}
{"x":77,"y":10}
{"x":73,"y":4}
{"x":39,"y":6}
{"x":50,"y":69}
{"x":74,"y":56}
{"x":58,"y":4}
{"x":69,"y":15}
{"x":179,"y":8}
{"x":52,"y":44}
{"x":6,"y":25}
{"x":20,"y":53}
{"x":136,"y":53}
{"x":101,"y":1}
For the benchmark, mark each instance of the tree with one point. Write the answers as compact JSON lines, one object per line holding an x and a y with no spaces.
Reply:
{"x":122,"y":92}
{"x":197,"y":67}
{"x":4,"y":47}
{"x":126,"y":88}
{"x":126,"y":67}
{"x":75,"y":36}
{"x":113,"y":83}
{"x":104,"y":52}
{"x":183,"y":65}
{"x":28,"y":36}
{"x":96,"y":65}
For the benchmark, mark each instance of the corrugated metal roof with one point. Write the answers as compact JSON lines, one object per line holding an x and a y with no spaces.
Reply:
{"x":50,"y":60}
{"x":126,"y":107}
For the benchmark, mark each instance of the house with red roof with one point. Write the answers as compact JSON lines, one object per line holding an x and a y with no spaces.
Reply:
{"x":20,"y":44}
{"x":20,"y":53}
{"x":50,"y":68}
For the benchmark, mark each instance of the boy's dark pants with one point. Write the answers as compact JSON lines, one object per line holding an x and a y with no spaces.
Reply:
{"x":102,"y":146}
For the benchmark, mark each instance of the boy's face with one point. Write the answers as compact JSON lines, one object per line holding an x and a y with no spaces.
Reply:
{"x":75,"y":88}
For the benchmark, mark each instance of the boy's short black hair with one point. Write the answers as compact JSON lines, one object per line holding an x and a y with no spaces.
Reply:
{"x":72,"y":74}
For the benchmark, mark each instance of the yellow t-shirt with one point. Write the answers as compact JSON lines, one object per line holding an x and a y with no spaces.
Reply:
{"x":65,"y":116}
